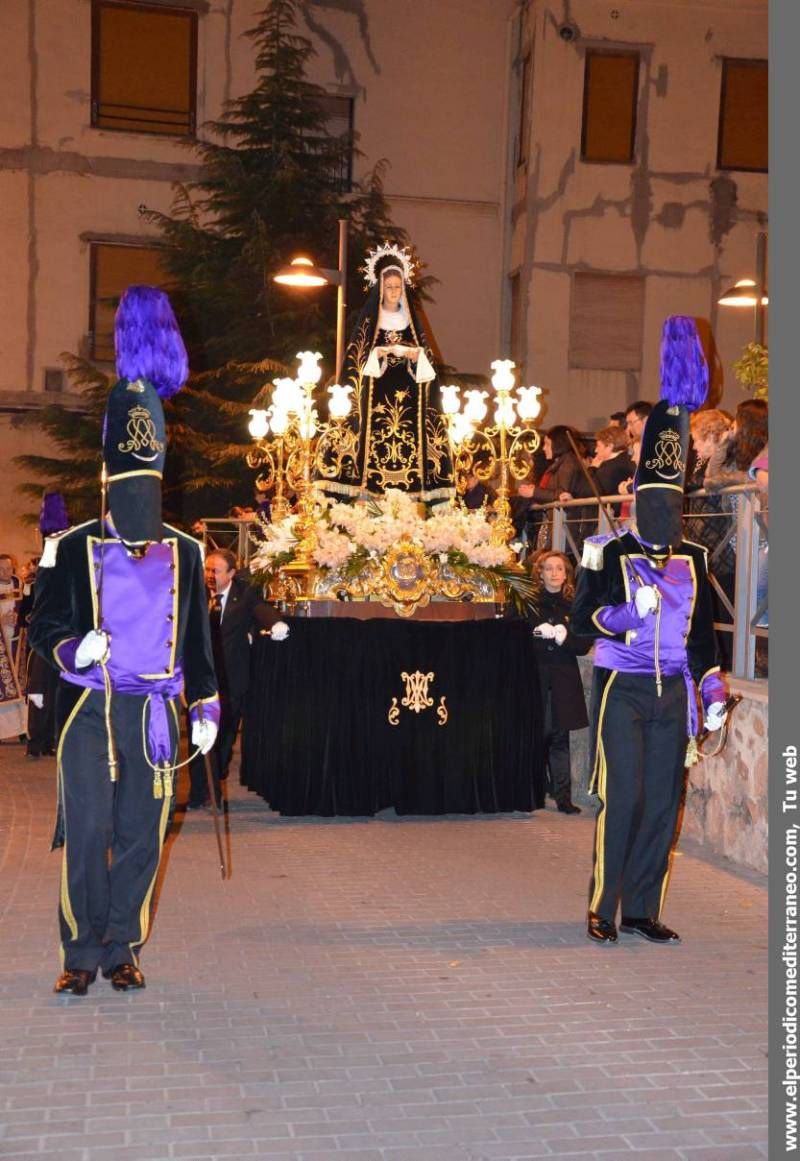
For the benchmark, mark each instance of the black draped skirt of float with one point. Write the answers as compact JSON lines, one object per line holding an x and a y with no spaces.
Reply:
{"x":318,"y":738}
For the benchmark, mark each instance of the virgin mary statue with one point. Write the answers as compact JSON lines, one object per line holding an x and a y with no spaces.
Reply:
{"x":397,"y":417}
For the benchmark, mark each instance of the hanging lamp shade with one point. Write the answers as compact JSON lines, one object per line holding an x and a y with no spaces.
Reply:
{"x":742,"y":294}
{"x":301,"y":271}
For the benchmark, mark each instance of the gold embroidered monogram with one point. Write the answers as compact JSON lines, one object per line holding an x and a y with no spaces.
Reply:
{"x":667,"y":462}
{"x":142,"y":435}
{"x":416,"y":699}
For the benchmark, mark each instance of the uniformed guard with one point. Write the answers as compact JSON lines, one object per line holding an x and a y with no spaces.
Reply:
{"x":121,"y":611}
{"x":645,"y":597}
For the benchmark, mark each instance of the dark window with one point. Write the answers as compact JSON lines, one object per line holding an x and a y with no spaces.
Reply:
{"x":523,"y":118}
{"x":338,"y":113}
{"x":606,"y":321}
{"x":610,"y":88}
{"x":743,"y":133}
{"x":144,"y":68}
{"x":114,"y":268}
{"x":53,"y":379}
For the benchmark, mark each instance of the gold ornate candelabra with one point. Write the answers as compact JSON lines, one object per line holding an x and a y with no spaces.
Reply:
{"x":302,"y":448}
{"x":505,"y":445}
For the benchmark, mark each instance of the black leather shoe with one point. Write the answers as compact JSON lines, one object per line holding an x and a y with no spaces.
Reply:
{"x":649,"y":929}
{"x":197,"y":804}
{"x":125,"y":977}
{"x":568,"y":808}
{"x":75,"y":981}
{"x":601,"y":930}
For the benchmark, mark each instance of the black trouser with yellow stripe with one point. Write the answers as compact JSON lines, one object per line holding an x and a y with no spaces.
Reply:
{"x":640,"y":766}
{"x":113,"y":831}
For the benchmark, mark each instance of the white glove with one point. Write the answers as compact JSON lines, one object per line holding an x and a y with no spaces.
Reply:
{"x":279,"y":631}
{"x":95,"y":646}
{"x":204,"y":735}
{"x":36,"y":699}
{"x":560,"y":634}
{"x":646,"y":600}
{"x":545,"y":630}
{"x":715,"y":717}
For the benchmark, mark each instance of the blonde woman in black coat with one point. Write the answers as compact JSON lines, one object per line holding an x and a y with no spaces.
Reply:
{"x":557,"y":651}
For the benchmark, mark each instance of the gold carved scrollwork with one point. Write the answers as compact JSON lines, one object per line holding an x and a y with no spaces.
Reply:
{"x":441,"y":711}
{"x":394,"y":713}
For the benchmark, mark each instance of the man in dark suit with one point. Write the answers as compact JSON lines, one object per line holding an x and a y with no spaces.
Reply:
{"x":236,"y":612}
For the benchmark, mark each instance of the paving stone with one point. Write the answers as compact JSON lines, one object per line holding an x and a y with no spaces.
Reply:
{"x":382,"y":990}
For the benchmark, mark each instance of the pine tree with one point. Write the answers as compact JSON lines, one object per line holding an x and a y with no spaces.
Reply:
{"x":268,"y":191}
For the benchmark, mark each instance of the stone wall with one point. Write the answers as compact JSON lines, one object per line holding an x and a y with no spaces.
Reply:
{"x":726,"y":800}
{"x":726,"y":803}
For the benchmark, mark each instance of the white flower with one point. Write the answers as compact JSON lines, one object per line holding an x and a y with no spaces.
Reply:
{"x":332,"y":548}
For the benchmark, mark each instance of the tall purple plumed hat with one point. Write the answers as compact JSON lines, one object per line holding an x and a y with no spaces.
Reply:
{"x":661,"y":474}
{"x":53,"y":516}
{"x":152,"y":365}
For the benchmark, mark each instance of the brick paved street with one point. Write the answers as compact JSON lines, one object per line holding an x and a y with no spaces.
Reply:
{"x":382,"y":990}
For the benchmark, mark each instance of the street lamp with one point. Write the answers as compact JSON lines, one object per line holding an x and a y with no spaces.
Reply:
{"x":749,"y":292}
{"x":302,"y":272}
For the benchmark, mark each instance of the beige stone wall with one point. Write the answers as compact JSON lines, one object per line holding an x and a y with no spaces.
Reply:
{"x":670,"y":216}
{"x":726,"y":802}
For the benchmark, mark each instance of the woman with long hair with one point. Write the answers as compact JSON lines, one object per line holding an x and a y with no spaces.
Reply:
{"x":560,"y":681}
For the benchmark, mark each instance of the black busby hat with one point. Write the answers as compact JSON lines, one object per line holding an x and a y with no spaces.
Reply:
{"x":134,"y":451}
{"x":661,"y":473}
{"x":152,"y":365}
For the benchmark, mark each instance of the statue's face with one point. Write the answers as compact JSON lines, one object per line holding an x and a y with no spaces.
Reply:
{"x":392,"y":291}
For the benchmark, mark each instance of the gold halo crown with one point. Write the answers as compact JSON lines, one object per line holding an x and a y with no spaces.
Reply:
{"x":402,"y":256}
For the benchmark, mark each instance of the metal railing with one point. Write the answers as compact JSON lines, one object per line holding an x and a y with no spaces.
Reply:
{"x":742,"y":602}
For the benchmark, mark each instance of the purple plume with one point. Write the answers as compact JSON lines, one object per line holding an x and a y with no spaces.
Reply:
{"x":684,"y":370}
{"x":53,"y":516}
{"x":148,"y":342}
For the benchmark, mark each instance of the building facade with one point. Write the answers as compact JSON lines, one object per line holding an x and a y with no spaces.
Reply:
{"x":568,"y":172}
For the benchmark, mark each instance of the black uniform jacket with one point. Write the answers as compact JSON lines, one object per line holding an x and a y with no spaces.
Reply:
{"x":558,"y":667}
{"x":245,"y":613}
{"x":601,"y":583}
{"x":63,"y":606}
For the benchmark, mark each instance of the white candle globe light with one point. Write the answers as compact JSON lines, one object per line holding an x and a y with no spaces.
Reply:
{"x":288,"y":395}
{"x":259,"y":424}
{"x":463,"y":428}
{"x":450,"y":399}
{"x":529,"y":404}
{"x":309,"y":370}
{"x":340,"y":403}
{"x":475,"y":409}
{"x":504,"y":412}
{"x":503,"y":378}
{"x":280,"y":421}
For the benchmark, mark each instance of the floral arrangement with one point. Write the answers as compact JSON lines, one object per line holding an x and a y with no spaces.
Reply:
{"x":350,"y":538}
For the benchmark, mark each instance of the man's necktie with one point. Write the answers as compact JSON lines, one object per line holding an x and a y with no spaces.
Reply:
{"x":215,"y":612}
